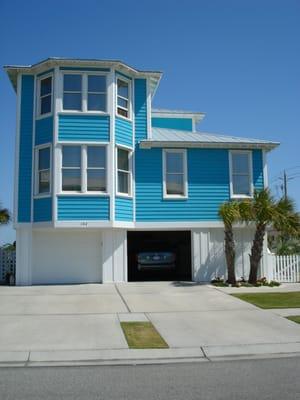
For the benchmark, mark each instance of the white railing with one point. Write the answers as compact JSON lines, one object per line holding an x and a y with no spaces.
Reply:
{"x":282,"y":268}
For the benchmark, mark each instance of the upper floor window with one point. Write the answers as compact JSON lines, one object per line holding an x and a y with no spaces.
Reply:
{"x":241,"y":175}
{"x":123,"y":98}
{"x":124,"y":172}
{"x":83,"y":168}
{"x":175,"y":173}
{"x":84,"y":92}
{"x":72,"y":98}
{"x":45,"y":95}
{"x":42,"y":170}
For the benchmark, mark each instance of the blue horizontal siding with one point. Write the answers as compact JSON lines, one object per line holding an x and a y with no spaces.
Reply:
{"x":258,"y":175}
{"x":123,"y":132}
{"x":208,"y":186}
{"x":123,"y":209}
{"x":44,"y":130}
{"x":25,"y":149}
{"x":42,"y":209}
{"x":83,"y":128}
{"x":77,"y":208}
{"x":140,"y":109}
{"x":181,"y":124}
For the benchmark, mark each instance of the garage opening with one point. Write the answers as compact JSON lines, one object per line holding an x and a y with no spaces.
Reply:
{"x":159,"y":255}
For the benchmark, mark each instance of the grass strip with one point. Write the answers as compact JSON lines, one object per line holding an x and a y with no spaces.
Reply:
{"x":295,"y":318}
{"x":271,"y":300}
{"x":142,"y":335}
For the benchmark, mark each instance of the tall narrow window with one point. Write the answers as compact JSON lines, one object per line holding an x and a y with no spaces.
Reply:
{"x":43,"y":170}
{"x":96,"y":93}
{"x":175,"y":179}
{"x":45,"y":96}
{"x":71,"y":168}
{"x":72,"y":98}
{"x":96,"y":168}
{"x":241,"y":173}
{"x":123,"y":99}
{"x":124,"y":174}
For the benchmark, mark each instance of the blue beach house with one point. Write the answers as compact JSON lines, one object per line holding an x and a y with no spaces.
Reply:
{"x":102,"y":178}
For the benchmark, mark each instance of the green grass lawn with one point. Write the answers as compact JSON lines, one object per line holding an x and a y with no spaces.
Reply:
{"x":142,"y":335}
{"x":295,"y":318}
{"x":272,"y":300}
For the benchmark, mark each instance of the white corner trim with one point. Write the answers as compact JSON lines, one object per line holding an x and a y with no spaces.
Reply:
{"x":17,"y":149}
{"x":265,"y":169}
{"x":149,"y":112}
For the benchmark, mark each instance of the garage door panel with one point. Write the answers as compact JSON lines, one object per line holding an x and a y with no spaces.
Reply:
{"x":66,"y":257}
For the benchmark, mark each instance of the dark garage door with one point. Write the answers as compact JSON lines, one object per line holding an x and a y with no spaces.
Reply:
{"x":177,"y":242}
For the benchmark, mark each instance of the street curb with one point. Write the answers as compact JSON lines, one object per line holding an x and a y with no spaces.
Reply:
{"x":147,"y":356}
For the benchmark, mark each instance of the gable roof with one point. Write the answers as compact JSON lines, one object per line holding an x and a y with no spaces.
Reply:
{"x":162,"y":137}
{"x":13,"y":70}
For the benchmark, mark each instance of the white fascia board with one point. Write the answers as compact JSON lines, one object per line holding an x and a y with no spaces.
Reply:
{"x":263,"y":146}
{"x":173,"y":114}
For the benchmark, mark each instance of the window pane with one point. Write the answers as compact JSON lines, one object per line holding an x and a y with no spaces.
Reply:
{"x":72,"y":83}
{"x":122,"y":112}
{"x":71,"y":156}
{"x":123,"y":161}
{"x":96,"y":180}
{"x":122,"y":103}
{"x":175,"y":184}
{"x":44,"y":158}
{"x":240,"y":184}
{"x":72,"y":101}
{"x":96,"y":83}
{"x":96,"y":157}
{"x":240,"y":163}
{"x":44,"y":181}
{"x":97,"y":102}
{"x":174,"y":162}
{"x":122,"y":88}
{"x":123,"y":182}
{"x":46,"y":104}
{"x":46,"y":85}
{"x":71,"y":179}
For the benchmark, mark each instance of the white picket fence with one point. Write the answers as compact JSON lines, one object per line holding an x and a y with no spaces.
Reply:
{"x":285,"y":269}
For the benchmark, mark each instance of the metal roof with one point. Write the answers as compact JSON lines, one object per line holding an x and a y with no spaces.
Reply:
{"x":170,"y":137}
{"x":13,"y":70}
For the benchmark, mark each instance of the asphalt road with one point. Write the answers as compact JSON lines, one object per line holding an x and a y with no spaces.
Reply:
{"x":252,"y":379}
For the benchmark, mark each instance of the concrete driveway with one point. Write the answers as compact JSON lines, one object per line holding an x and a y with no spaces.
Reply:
{"x":87,"y":317}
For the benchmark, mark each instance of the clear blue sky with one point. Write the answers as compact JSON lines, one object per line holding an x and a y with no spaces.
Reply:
{"x":238,"y":61}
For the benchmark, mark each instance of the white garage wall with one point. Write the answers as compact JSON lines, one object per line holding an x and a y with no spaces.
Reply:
{"x":66,"y":256}
{"x":209,"y":257}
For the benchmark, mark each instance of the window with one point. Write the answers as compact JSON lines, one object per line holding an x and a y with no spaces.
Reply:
{"x":175,"y":175}
{"x":96,"y":93}
{"x":72,"y":98}
{"x":43,"y":170}
{"x":45,"y":96}
{"x":96,"y":167}
{"x":123,"y":100}
{"x":241,"y":177}
{"x":124,"y":172}
{"x":83,"y":168}
{"x":71,"y":168}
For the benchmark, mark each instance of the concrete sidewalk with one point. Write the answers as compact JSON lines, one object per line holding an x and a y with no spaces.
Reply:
{"x":81,"y":324}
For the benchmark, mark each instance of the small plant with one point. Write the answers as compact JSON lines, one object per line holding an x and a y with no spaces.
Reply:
{"x":219,"y":282}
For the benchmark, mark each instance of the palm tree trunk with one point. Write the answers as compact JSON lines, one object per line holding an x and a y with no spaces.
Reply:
{"x":256,"y":252}
{"x":230,"y":254}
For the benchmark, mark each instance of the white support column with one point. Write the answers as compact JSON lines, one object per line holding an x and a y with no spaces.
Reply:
{"x":23,"y":256}
{"x":114,"y":258}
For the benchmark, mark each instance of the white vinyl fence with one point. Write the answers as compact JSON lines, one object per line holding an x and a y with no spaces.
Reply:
{"x":281,"y":268}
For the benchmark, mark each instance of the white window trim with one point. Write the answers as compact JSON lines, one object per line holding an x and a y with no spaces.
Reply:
{"x":250,"y":172}
{"x":185,"y":181}
{"x":37,"y":148}
{"x":84,"y":169}
{"x":128,"y":81}
{"x":38,"y":91}
{"x":120,"y":194}
{"x":84,"y":93}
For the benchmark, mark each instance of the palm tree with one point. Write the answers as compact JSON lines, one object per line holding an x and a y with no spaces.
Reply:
{"x":264,"y":210}
{"x":229,"y":212}
{"x":4,"y":216}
